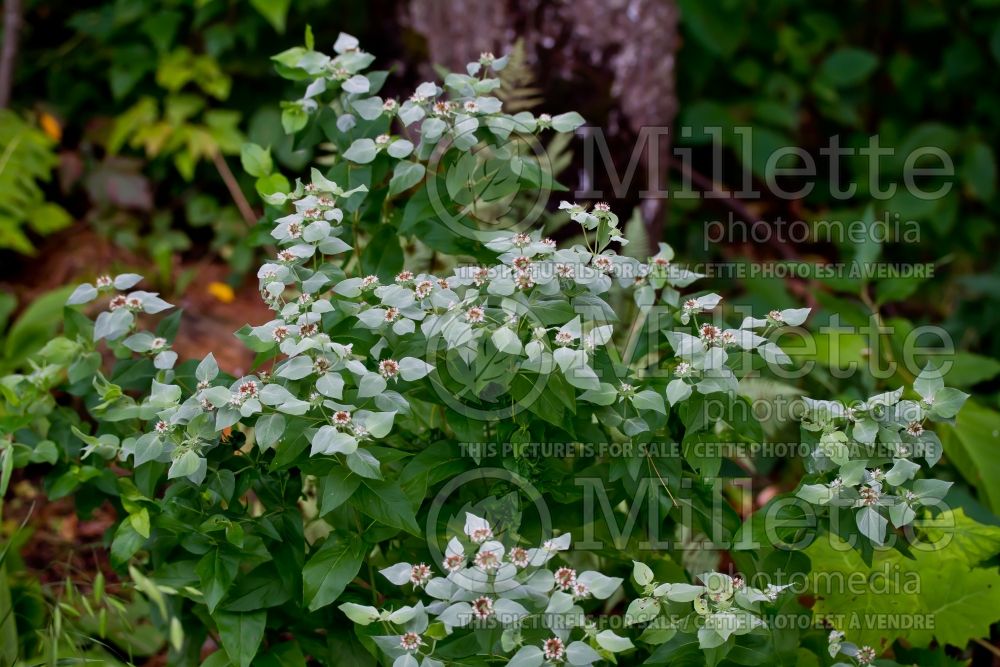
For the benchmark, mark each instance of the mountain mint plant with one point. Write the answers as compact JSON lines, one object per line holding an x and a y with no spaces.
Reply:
{"x":489,"y":586}
{"x":424,"y":344}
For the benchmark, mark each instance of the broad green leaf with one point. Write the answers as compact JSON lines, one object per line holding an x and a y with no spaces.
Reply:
{"x":386,"y":503}
{"x":256,"y":161}
{"x":241,"y":634}
{"x":405,"y":176}
{"x":362,"y":151}
{"x":216,"y":572}
{"x":329,"y":570}
{"x":275,"y":11}
{"x":972,"y":445}
{"x":848,"y":66}
{"x":954,"y":602}
{"x":268,"y":429}
{"x":336,"y":488}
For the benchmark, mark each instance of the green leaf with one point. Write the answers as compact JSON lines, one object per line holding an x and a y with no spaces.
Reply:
{"x":8,"y":624}
{"x":383,"y":256}
{"x":329,"y":570}
{"x":36,"y":325}
{"x":972,"y":445}
{"x":268,"y":429}
{"x":567,"y":122}
{"x":405,"y":176}
{"x":49,"y":218}
{"x":256,"y":161}
{"x":929,"y":381}
{"x":286,"y":654}
{"x":339,"y":485}
{"x":965,"y":538}
{"x":293,"y":118}
{"x":362,"y":151}
{"x":677,"y":391}
{"x":126,"y":543}
{"x":241,"y":634}
{"x":275,"y":11}
{"x":718,"y":27}
{"x":649,"y":400}
{"x":216,"y":573}
{"x":848,"y":66}
{"x":948,"y":402}
{"x":386,"y":503}
{"x":872,"y":524}
{"x":270,"y":184}
{"x":979,"y":172}
{"x":953,"y":602}
{"x":968,"y":369}
{"x":217,"y":659}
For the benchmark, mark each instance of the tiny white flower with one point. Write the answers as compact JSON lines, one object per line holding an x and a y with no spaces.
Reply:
{"x":554,"y":649}
{"x":564,"y":338}
{"x":453,"y":562}
{"x":710,"y":333}
{"x":565,"y":578}
{"x":388,"y":368}
{"x":603,"y":263}
{"x":420,"y":574}
{"x":521,"y":240}
{"x":869,"y":495}
{"x":410,"y":641}
{"x":487,"y":561}
{"x":423,"y":289}
{"x":482,"y":607}
{"x":480,"y":535}
{"x":519,"y":556}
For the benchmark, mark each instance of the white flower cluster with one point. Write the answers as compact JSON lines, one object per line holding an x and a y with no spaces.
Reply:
{"x":868,"y":452}
{"x":120,"y":317}
{"x":452,"y":112}
{"x":543,"y":308}
{"x":526,"y":306}
{"x":723,"y":607}
{"x":490,"y":586}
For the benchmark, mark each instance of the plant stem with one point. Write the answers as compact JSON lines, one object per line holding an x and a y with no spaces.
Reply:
{"x":234,"y":189}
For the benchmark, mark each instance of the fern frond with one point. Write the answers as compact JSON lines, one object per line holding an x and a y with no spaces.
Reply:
{"x":518,"y":91}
